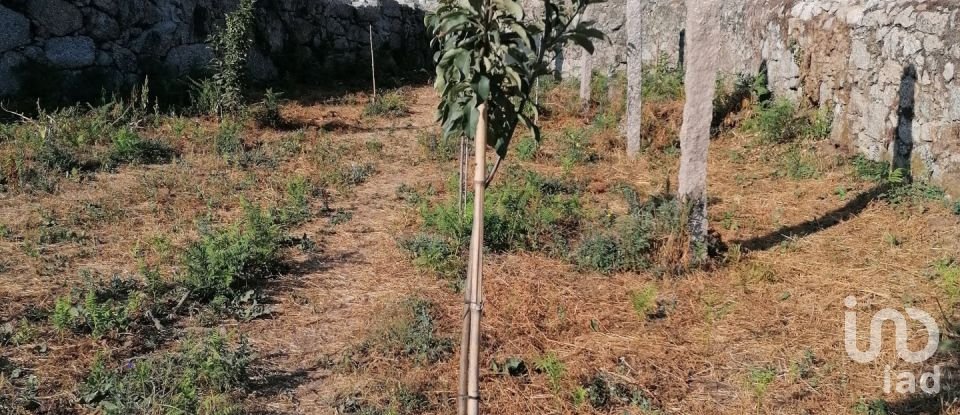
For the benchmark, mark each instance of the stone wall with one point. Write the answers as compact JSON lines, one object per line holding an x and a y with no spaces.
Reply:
{"x":888,"y":69}
{"x":69,"y":47}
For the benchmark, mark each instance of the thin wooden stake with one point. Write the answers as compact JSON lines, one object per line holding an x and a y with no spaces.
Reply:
{"x":465,"y":334}
{"x":373,"y":66}
{"x":464,"y":153}
{"x":475,"y":272}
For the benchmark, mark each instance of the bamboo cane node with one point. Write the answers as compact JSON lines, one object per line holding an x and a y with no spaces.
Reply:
{"x":476,"y":306}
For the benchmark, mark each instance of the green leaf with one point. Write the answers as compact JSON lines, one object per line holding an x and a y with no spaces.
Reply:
{"x":511,"y":7}
{"x":483,"y":88}
{"x":582,"y":41}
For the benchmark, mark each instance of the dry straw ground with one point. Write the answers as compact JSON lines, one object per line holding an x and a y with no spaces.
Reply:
{"x":759,"y":333}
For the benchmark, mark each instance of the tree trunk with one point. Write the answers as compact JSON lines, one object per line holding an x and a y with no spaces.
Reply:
{"x":700,"y":83}
{"x":470,"y":347}
{"x":634,"y":76}
{"x":586,"y":76}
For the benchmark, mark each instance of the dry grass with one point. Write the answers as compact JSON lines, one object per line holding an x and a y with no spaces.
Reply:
{"x":776,"y":307}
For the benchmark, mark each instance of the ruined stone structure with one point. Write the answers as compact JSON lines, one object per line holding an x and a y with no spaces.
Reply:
{"x":68,"y":45}
{"x":888,"y":69}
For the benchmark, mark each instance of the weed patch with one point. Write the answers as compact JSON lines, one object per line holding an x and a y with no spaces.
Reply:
{"x":435,"y":254}
{"x":604,"y":392}
{"x":779,"y":121}
{"x":551,"y":366}
{"x":437,"y":147}
{"x":633,"y":241}
{"x":663,"y":82}
{"x":389,"y":104}
{"x":410,"y":331}
{"x":525,"y":212}
{"x":197,"y":378}
{"x":226,"y":262}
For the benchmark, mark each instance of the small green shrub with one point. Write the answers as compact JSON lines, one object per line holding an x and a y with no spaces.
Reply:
{"x":225,"y":262}
{"x":779,"y":121}
{"x":604,"y":392}
{"x":869,"y":170}
{"x":374,"y":146}
{"x":437,"y":147}
{"x":129,"y":148}
{"x":550,"y":365}
{"x":527,"y":149}
{"x":51,"y":232}
{"x":663,"y":82}
{"x":873,"y":407}
{"x":435,"y":254}
{"x":644,"y":301}
{"x":630,"y":243}
{"x":759,"y":380}
{"x":947,"y":271}
{"x":775,"y":121}
{"x":575,"y":148}
{"x":410,"y":331}
{"x":196,"y":378}
{"x":526,"y":211}
{"x":104,"y":308}
{"x":231,"y":46}
{"x":600,"y":253}
{"x":295,"y":207}
{"x":228,"y":141}
{"x":799,"y":164}
{"x":350,"y":175}
{"x":390,"y":104}
{"x":905,"y":192}
{"x":820,"y":125}
{"x":267,"y":113}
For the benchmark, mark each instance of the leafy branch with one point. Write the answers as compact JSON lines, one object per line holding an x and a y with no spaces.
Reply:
{"x":490,"y":53}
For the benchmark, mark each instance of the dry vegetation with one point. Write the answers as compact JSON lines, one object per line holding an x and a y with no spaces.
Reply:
{"x":336,"y":231}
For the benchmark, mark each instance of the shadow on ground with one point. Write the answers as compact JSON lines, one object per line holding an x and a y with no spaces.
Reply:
{"x":833,"y":218}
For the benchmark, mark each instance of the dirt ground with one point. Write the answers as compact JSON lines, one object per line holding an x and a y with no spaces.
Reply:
{"x":776,"y":310}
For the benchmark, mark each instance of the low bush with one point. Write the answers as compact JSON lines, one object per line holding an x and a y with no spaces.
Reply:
{"x":575,"y":148}
{"x":410,"y":331}
{"x":267,"y":114}
{"x":435,"y":254}
{"x":869,"y":170}
{"x":100,"y":309}
{"x":295,"y":207}
{"x":437,"y":147}
{"x":551,"y":366}
{"x":526,"y":211}
{"x":663,"y":82}
{"x":389,"y":104}
{"x":799,"y":164}
{"x":351,"y":175}
{"x":130,"y":148}
{"x":779,"y":121}
{"x":74,"y":141}
{"x":227,"y":262}
{"x":527,"y":149}
{"x":199,"y":377}
{"x":632,"y":242}
{"x":604,"y":391}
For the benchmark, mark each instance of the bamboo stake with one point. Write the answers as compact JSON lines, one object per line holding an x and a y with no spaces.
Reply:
{"x":373,"y":66}
{"x":467,"y":296}
{"x":463,"y":175}
{"x":476,"y":266}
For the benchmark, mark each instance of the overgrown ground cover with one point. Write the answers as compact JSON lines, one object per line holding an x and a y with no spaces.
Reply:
{"x":308,"y":260}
